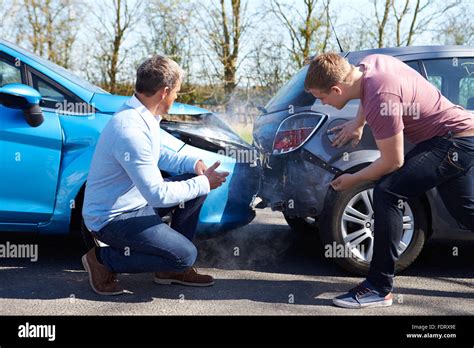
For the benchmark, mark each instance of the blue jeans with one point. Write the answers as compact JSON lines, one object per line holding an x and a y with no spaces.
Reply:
{"x":443,"y":162}
{"x":139,"y":241}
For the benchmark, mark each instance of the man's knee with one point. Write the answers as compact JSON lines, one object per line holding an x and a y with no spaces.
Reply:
{"x":187,"y":256}
{"x":390,"y":189}
{"x":201,"y":199}
{"x":381,"y":189}
{"x":196,"y":202}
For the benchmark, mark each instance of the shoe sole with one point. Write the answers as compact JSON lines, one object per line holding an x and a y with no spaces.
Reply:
{"x":172,"y":281}
{"x":87,"y":268}
{"x":343,"y":304}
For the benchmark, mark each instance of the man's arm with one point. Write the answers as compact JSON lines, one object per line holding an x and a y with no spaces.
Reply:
{"x":387,"y":126}
{"x":173,"y":161}
{"x":360,"y":118}
{"x":391,"y":158}
{"x":133,"y":150}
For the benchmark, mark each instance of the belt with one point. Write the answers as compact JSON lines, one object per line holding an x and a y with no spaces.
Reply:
{"x":468,"y":133}
{"x":451,"y":135}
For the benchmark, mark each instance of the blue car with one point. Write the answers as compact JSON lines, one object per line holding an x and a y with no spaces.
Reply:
{"x":50,"y":124}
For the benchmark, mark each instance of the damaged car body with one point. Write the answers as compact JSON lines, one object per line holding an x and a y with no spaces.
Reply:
{"x":299,"y":162}
{"x":45,"y":159}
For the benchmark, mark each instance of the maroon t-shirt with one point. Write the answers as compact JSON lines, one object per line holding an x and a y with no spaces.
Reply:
{"x":395,"y":97}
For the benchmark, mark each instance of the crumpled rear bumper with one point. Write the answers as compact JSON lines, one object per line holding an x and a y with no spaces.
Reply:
{"x":294,"y":185}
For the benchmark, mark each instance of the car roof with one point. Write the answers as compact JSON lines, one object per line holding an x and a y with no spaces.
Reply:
{"x":414,"y":52}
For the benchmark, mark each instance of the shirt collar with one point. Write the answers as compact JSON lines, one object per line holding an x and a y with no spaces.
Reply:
{"x":146,"y":114}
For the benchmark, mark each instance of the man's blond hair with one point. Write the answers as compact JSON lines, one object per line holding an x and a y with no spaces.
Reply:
{"x":327,"y":70}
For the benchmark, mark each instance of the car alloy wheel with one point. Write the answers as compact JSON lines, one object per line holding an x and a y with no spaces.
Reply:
{"x":357,"y":226}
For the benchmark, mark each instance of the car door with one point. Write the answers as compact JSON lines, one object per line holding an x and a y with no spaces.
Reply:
{"x":29,"y":159}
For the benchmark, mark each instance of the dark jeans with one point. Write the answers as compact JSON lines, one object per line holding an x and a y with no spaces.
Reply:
{"x":442,"y":162}
{"x":139,"y":241}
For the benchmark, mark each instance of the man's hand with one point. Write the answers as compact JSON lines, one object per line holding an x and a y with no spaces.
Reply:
{"x":344,"y":182}
{"x":200,"y":167}
{"x":348,"y":131}
{"x":216,"y":179}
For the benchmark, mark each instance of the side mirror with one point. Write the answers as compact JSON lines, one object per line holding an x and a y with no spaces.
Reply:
{"x":25,"y":98}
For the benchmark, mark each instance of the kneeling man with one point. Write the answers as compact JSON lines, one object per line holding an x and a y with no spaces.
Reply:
{"x":126,"y":195}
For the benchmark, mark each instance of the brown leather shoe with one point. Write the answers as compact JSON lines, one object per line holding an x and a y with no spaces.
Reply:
{"x":102,"y":281}
{"x":190,"y":277}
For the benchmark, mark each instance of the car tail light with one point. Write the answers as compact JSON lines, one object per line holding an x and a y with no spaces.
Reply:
{"x":295,"y":131}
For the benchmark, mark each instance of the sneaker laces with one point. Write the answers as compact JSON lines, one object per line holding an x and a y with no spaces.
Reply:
{"x":360,"y":289}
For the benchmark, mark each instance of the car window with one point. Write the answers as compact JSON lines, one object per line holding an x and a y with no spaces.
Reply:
{"x":52,"y":97}
{"x":454,"y":77}
{"x":414,"y":65}
{"x":435,"y":80}
{"x":57,"y":69}
{"x":292,"y":94}
{"x":9,"y":73}
{"x":466,"y":92}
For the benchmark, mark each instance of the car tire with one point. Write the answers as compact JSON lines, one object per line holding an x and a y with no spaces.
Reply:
{"x":303,"y":226}
{"x":333,"y":230}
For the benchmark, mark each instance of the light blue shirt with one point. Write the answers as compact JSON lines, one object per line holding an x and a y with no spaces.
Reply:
{"x":125,"y":174}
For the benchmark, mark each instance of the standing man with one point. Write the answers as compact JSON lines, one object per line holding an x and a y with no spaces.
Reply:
{"x":126,"y":196}
{"x":397,"y":102}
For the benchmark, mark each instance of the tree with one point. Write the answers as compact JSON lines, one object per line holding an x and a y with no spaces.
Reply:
{"x":381,"y":21}
{"x":224,"y":28}
{"x":407,"y":19}
{"x":7,"y":8}
{"x":305,"y":28}
{"x":170,"y":28}
{"x":114,"y":26}
{"x":457,"y":28}
{"x":51,"y":27}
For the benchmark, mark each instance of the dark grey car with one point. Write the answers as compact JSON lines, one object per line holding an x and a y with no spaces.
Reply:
{"x":299,"y":161}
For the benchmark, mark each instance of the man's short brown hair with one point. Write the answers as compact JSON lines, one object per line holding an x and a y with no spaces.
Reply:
{"x":326,"y":70}
{"x":156,"y":73}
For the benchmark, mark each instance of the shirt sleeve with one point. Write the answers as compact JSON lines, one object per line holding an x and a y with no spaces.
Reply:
{"x":172,"y":161}
{"x":133,"y":150}
{"x":384,"y":115}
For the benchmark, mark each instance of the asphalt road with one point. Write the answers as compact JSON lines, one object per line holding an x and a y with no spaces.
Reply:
{"x":263,"y":268}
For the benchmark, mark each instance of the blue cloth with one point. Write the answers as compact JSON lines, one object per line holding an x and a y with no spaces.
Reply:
{"x":139,"y":241}
{"x":125,"y":175}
